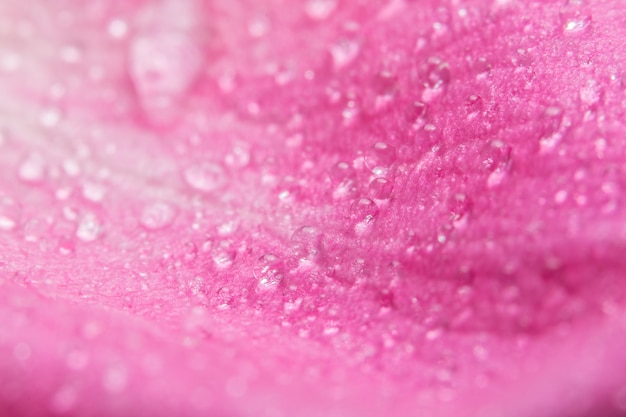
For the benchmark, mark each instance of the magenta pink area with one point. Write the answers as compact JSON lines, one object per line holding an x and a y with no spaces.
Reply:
{"x":312,"y":208}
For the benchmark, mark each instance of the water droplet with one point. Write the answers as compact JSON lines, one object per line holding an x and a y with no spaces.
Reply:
{"x":10,"y":213}
{"x":416,"y":114}
{"x":10,"y":62}
{"x":575,"y":16}
{"x":435,"y":75}
{"x":343,"y":176}
{"x":63,"y":400}
{"x":94,"y":192}
{"x":590,"y":92}
{"x":163,"y":65}
{"x":190,"y":251}
{"x":459,"y":206}
{"x":344,"y":52}
{"x":224,"y":298}
{"x":115,"y":379}
{"x":205,"y":176}
{"x":497,"y":161}
{"x":363,"y":214}
{"x":157,"y":216}
{"x":224,"y":255}
{"x":307,"y":244}
{"x":70,"y":54}
{"x":320,"y":9}
{"x":32,"y":169}
{"x":89,"y":228}
{"x":50,"y":117}
{"x":380,"y":188}
{"x":117,"y":28}
{"x":380,"y":157}
{"x":269,"y":271}
{"x":238,"y":157}
{"x":259,"y":26}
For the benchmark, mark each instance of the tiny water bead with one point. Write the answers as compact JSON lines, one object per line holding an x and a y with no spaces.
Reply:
{"x":380,"y":188}
{"x":435,"y":75}
{"x":224,"y":255}
{"x":32,"y":169}
{"x":320,"y":9}
{"x":575,"y":16}
{"x":344,"y":52}
{"x":163,"y":65}
{"x":205,"y":176}
{"x":363,"y":214}
{"x":89,"y":228}
{"x":380,"y":157}
{"x":10,"y":213}
{"x":306,"y":243}
{"x":157,"y":216}
{"x":269,"y":271}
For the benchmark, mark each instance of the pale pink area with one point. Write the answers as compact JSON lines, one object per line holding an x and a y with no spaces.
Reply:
{"x":312,"y":208}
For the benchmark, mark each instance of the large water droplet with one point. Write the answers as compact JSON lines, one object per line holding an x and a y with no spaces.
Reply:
{"x":89,"y":228}
{"x":269,"y":271}
{"x":157,"y":216}
{"x":205,"y":176}
{"x":10,"y":213}
{"x":380,"y":188}
{"x":320,"y":9}
{"x":575,"y":16}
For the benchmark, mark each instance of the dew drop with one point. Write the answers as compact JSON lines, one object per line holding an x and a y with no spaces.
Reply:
{"x":459,"y":206}
{"x":416,"y":114}
{"x":380,"y":157}
{"x":163,"y":65}
{"x":157,"y":216}
{"x":575,"y":16}
{"x":435,"y":75}
{"x":363,"y":214}
{"x":223,"y":255}
{"x":343,"y":176}
{"x":344,"y":52}
{"x":89,"y":228}
{"x":50,"y":117}
{"x":94,"y":192}
{"x":380,"y":189}
{"x":224,"y":298}
{"x":32,"y":169}
{"x":205,"y":177}
{"x":498,"y":163}
{"x":115,"y":379}
{"x":63,"y":400}
{"x":10,"y":213}
{"x":117,"y":28}
{"x":590,"y":92}
{"x":320,"y":9}
{"x":259,"y":26}
{"x":269,"y":272}
{"x":306,"y":244}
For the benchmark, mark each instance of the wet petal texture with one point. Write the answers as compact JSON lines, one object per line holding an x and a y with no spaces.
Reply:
{"x":312,"y":208}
